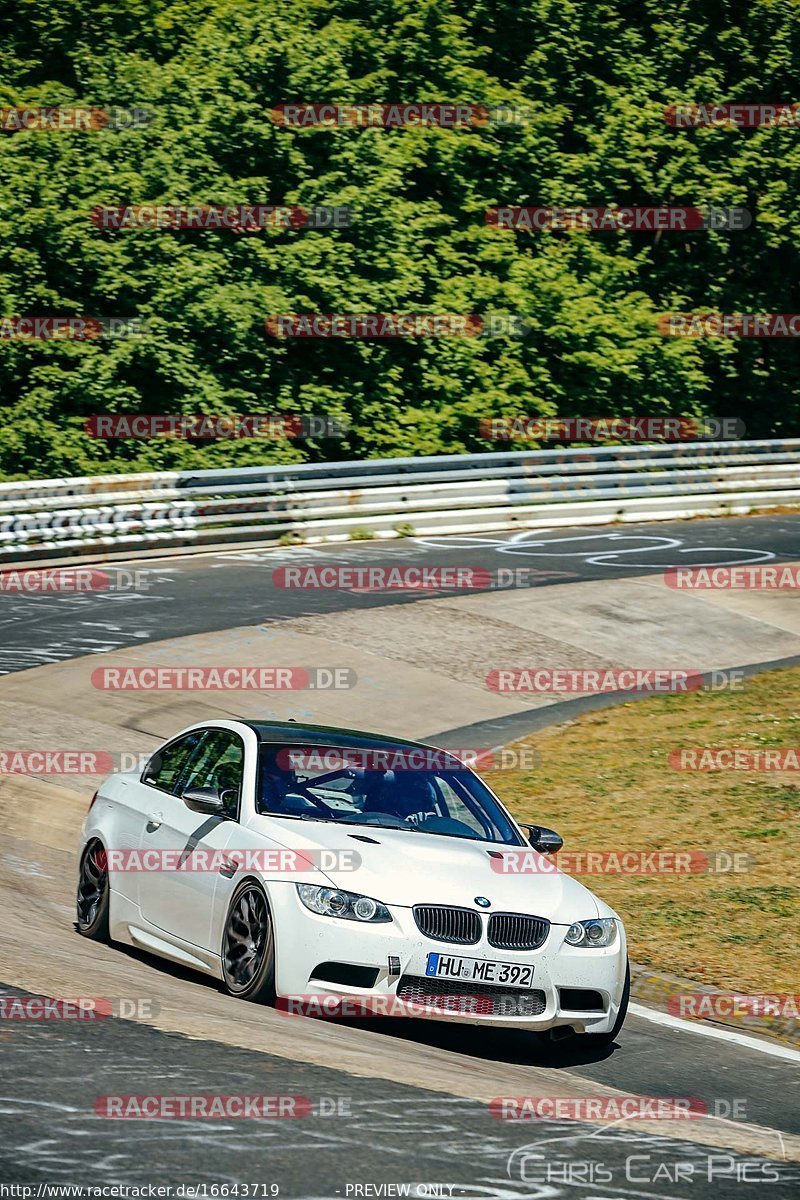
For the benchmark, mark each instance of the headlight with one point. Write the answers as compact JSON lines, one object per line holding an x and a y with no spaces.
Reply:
{"x":602,"y":931}
{"x":330,"y":902}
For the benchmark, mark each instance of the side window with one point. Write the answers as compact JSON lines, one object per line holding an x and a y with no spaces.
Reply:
{"x":218,"y":765}
{"x":165,"y":768}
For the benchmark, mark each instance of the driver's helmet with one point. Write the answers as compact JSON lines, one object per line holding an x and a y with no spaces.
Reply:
{"x":407,"y":794}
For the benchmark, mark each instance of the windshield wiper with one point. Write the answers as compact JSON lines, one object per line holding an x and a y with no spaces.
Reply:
{"x":380,"y":825}
{"x":295,"y":816}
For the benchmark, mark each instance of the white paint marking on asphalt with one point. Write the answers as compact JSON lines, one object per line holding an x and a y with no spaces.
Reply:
{"x":724,"y":1035}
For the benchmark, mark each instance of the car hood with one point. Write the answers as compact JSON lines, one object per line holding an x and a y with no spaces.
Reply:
{"x":405,"y":869}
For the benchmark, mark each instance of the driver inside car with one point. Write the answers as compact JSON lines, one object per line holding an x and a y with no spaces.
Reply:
{"x":404,"y":794}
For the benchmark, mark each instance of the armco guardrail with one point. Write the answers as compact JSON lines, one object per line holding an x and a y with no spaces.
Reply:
{"x":314,"y":502}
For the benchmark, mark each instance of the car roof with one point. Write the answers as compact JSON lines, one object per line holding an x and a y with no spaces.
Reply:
{"x":285,"y":732}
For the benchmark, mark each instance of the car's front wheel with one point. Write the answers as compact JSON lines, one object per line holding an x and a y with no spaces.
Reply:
{"x":248,"y":946}
{"x":92,"y":899}
{"x":605,"y":1039}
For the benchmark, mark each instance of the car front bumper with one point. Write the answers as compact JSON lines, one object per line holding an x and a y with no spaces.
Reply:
{"x":397,"y":952}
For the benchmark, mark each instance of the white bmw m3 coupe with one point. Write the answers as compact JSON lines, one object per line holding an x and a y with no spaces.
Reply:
{"x":299,"y":863}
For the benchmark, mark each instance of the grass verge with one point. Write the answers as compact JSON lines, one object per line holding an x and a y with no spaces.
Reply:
{"x":605,"y":784}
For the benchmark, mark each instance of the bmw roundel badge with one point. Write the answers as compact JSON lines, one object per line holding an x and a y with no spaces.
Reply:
{"x":482,"y":902}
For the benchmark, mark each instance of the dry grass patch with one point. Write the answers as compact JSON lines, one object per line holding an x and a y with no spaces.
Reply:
{"x":605,"y":784}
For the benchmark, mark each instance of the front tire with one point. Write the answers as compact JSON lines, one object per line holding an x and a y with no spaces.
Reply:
{"x":92,"y":899}
{"x":601,"y":1040}
{"x":248,"y":946}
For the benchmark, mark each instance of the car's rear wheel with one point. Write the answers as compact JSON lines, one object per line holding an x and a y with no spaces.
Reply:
{"x":92,"y":899}
{"x":248,"y":946}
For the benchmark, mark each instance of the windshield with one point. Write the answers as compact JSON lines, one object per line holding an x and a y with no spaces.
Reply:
{"x":422,"y":791}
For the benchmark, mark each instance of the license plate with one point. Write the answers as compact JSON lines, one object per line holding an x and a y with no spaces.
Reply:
{"x":479,"y":970}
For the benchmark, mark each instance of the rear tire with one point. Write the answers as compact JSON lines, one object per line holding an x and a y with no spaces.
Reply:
{"x":248,"y":946}
{"x":93,"y":890}
{"x":601,"y":1040}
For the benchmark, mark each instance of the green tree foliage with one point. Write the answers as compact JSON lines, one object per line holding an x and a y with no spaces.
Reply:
{"x":595,"y":78}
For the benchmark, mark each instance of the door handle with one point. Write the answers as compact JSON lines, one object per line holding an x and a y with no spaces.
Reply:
{"x":154,"y":820}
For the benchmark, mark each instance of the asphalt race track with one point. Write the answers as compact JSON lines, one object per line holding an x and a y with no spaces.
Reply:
{"x":204,"y":592}
{"x":374,"y":1131}
{"x":378,"y":1133}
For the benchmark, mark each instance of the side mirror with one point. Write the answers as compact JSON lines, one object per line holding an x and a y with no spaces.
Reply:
{"x":204,"y":800}
{"x":545,"y":840}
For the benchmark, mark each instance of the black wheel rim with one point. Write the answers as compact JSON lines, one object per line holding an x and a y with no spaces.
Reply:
{"x":247,"y":939}
{"x":92,"y":884}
